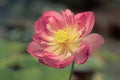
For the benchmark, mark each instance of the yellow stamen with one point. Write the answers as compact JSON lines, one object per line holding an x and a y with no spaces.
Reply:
{"x":61,"y":36}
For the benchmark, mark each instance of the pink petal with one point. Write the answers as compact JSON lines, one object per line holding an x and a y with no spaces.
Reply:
{"x":43,"y":36}
{"x":55,"y":23}
{"x":36,"y":38}
{"x":53,"y":14}
{"x":35,"y":49}
{"x":47,"y":24}
{"x":41,"y":24}
{"x":69,"y":17}
{"x":86,"y":21}
{"x":55,"y":61}
{"x":40,"y":41}
{"x":82,"y":54}
{"x":94,"y":40}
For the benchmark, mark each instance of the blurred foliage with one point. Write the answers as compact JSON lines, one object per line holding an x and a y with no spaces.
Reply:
{"x":16,"y":64}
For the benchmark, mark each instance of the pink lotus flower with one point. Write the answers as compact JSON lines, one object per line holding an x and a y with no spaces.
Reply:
{"x":62,"y":39}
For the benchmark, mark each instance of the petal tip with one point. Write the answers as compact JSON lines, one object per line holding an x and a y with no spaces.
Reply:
{"x":95,"y":41}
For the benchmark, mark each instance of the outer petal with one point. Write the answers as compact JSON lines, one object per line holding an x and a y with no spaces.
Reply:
{"x":48,"y":58}
{"x":95,"y":41}
{"x":53,"y":14}
{"x":40,"y":41}
{"x":86,"y":21}
{"x":43,"y":36}
{"x":55,"y":61}
{"x":55,"y":23}
{"x":82,"y":54}
{"x":35,"y":49}
{"x":47,"y":24}
{"x":41,"y":24}
{"x":69,"y":18}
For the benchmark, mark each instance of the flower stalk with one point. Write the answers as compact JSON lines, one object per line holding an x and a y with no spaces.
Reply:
{"x":72,"y":68}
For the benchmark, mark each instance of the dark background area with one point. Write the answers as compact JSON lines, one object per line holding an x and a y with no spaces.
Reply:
{"x":17,"y":18}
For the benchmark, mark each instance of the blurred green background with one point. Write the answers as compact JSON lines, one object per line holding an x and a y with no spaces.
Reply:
{"x":17,"y":18}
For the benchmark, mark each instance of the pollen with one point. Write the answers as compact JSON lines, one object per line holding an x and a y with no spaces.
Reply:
{"x":61,"y":36}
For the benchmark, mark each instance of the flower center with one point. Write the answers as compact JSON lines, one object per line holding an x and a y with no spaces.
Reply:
{"x":61,"y":36}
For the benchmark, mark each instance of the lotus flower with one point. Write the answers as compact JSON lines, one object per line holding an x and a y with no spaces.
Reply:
{"x":60,"y":39}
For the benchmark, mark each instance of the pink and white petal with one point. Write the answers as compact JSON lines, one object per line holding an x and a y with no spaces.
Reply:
{"x":53,"y":14}
{"x":80,"y":20}
{"x":82,"y":54}
{"x":41,"y":24}
{"x":94,"y":40}
{"x":40,"y":41}
{"x":55,"y":23}
{"x":55,"y":61}
{"x":36,"y":38}
{"x":35,"y":50}
{"x":86,"y":21}
{"x":69,"y":17}
{"x":43,"y":36}
{"x":48,"y":24}
{"x":46,"y":37}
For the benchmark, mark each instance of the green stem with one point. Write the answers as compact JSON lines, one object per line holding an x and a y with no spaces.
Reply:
{"x":72,"y":67}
